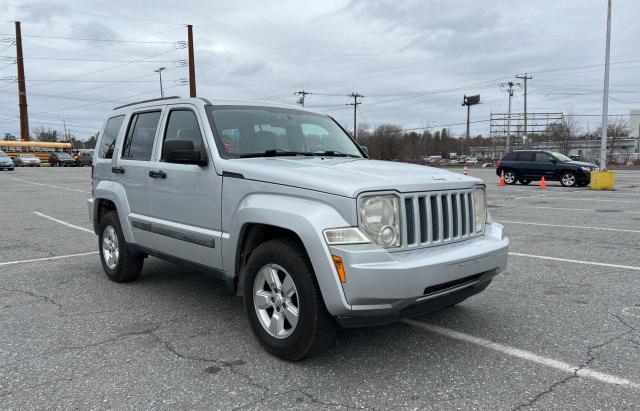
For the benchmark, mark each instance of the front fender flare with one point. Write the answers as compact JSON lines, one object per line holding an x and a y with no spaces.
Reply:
{"x":307,"y":218}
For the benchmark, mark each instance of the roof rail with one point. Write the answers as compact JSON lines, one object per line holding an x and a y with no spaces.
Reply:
{"x":146,"y":101}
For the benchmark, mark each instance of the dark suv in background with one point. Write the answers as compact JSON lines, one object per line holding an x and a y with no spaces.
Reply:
{"x":62,"y":160}
{"x":531,"y":165}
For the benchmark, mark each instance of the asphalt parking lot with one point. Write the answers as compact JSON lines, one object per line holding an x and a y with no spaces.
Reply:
{"x":560,"y":329}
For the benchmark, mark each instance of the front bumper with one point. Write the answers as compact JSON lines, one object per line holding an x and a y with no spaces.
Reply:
{"x":386,"y":286}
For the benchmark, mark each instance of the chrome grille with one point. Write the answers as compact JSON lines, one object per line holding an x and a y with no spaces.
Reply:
{"x":438,"y":217}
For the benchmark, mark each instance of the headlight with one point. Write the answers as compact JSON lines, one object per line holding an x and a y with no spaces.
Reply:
{"x":380,"y":219}
{"x":480,"y":204}
{"x":346,"y":235}
{"x":586,"y":169}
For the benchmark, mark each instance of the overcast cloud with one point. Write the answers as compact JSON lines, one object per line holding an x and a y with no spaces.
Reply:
{"x":386,"y":50}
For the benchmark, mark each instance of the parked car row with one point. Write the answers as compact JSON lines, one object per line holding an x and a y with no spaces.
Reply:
{"x":56,"y":159}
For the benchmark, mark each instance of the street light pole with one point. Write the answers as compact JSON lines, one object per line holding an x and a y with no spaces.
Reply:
{"x":159,"y":71}
{"x":605,"y":96}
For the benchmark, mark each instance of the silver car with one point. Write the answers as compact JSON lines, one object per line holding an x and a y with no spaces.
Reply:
{"x":282,"y":205}
{"x":6,"y":163}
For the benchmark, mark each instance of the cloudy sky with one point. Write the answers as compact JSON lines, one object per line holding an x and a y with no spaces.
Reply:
{"x":412,"y":60}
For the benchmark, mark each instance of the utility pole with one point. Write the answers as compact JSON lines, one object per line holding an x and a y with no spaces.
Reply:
{"x":605,"y":95}
{"x":22,"y":88}
{"x":509,"y":87}
{"x":525,"y":77}
{"x":192,"y":63}
{"x":355,"y":104}
{"x":64,"y":126}
{"x":302,"y":95}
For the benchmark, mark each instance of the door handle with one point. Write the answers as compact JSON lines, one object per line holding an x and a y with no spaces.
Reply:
{"x":117,"y":170}
{"x":157,"y":174}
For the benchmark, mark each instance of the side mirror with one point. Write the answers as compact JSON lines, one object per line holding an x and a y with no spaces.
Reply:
{"x":182,"y":152}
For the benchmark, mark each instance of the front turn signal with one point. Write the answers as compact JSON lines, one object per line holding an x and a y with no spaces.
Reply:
{"x":337,"y":261}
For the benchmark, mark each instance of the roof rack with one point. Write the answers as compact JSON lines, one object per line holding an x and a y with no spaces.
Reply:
{"x":146,"y":101}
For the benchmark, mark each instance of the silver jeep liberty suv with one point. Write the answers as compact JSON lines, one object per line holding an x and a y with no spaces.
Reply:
{"x":282,"y":205}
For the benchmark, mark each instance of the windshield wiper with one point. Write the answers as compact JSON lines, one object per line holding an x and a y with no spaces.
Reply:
{"x":333,"y":153}
{"x":276,"y":152}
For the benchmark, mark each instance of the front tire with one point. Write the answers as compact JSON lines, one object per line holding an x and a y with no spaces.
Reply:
{"x":283,"y":301}
{"x":568,"y":179}
{"x":119,"y":263}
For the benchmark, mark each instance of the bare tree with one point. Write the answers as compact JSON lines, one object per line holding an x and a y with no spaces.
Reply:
{"x":617,"y":129}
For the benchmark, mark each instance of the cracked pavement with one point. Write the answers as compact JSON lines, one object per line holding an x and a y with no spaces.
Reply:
{"x":69,"y":338}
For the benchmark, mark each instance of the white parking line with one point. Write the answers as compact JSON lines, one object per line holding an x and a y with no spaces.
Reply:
{"x":571,"y":226}
{"x":597,"y":199}
{"x":528,"y":356}
{"x":567,"y":209}
{"x":77,"y":227}
{"x":57,"y":257}
{"x":566,"y":260}
{"x":51,"y":186}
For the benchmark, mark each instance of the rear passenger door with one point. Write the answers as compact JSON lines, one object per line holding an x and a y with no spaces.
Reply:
{"x":525,"y":165}
{"x":185,"y":198}
{"x":544,"y":166}
{"x":132,"y":170}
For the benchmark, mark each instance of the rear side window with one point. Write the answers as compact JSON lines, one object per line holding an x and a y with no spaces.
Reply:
{"x":525,"y":156}
{"x":183,"y":125}
{"x":138,"y":143}
{"x":509,"y":157}
{"x":108,"y":141}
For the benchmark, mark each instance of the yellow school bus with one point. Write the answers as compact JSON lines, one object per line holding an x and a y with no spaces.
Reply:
{"x":40,"y":149}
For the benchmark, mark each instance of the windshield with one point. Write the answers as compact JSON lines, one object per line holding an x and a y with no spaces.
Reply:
{"x":243,"y":131}
{"x":27,"y":156}
{"x":64,"y":155}
{"x":561,"y":157}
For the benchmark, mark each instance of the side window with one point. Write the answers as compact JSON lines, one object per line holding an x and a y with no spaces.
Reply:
{"x":108,"y":141}
{"x":183,"y":125}
{"x":525,"y":156}
{"x":542,"y":158}
{"x":509,"y":157}
{"x":138,"y":143}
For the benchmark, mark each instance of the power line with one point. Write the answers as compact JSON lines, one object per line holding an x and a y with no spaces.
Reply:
{"x":109,"y":68}
{"x":91,"y":60}
{"x":98,"y":40}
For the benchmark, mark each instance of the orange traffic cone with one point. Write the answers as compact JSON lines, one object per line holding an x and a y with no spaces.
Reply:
{"x":543,"y":183}
{"x":501,"y":183}
{"x":465,"y":170}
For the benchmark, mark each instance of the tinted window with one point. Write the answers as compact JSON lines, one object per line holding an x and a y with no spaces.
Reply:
{"x":108,"y":141}
{"x":509,"y":157}
{"x":526,"y":156}
{"x":138,"y":143}
{"x":183,"y":125}
{"x":542,"y":158}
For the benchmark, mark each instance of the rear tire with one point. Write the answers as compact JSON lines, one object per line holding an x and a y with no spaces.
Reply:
{"x":510,"y":177}
{"x":268,"y":299}
{"x":568,"y":179}
{"x":119,"y":263}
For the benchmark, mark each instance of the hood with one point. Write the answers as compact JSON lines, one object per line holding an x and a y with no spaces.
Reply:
{"x":347,"y":176}
{"x":583,"y":164}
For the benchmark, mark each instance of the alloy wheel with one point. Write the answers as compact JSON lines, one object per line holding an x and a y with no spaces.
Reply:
{"x":110,"y":249}
{"x":568,"y":179}
{"x":275,"y":299}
